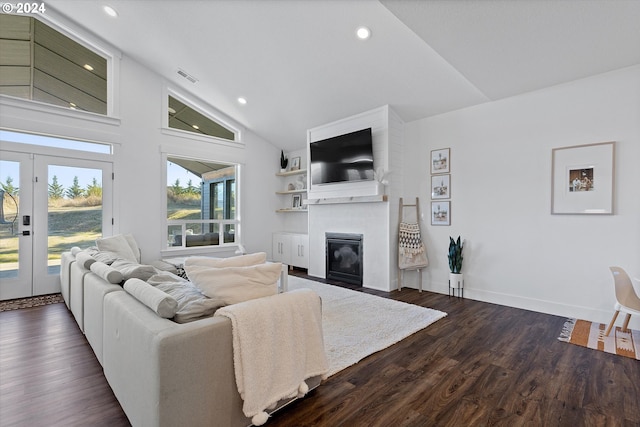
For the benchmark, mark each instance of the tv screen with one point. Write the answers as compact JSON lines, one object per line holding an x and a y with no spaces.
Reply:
{"x":347,"y":157}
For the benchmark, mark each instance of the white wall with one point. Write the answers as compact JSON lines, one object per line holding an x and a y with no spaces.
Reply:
{"x":516,"y":253}
{"x":138,"y":166}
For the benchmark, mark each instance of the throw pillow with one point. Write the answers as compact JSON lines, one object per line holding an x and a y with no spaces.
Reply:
{"x":161,"y":303}
{"x":107,"y":273}
{"x":236,"y":261}
{"x":236,"y":284}
{"x":133,"y":270}
{"x":85,"y":260}
{"x":192,"y":304}
{"x":118,"y":244}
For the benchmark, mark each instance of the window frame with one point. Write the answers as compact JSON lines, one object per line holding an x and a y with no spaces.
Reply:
{"x":200,"y":107}
{"x":168,"y":250}
{"x":112,"y":55}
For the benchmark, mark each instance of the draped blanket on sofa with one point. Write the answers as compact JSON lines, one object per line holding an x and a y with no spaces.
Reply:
{"x":277,"y":345}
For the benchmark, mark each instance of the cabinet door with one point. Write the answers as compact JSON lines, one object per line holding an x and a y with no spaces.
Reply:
{"x":299,"y":251}
{"x":281,"y":248}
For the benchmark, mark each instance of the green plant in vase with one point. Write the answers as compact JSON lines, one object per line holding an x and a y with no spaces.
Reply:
{"x":455,"y":255}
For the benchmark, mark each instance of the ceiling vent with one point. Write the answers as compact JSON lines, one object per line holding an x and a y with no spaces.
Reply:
{"x":187,"y":76}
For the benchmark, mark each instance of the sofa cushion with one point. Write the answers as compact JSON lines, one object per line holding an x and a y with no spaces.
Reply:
{"x":236,"y":261}
{"x":161,"y":303}
{"x":109,"y":274}
{"x":133,"y":270}
{"x":236,"y":284}
{"x":192,"y":304}
{"x":120,"y":245}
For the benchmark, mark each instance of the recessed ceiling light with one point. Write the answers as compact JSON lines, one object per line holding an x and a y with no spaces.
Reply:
{"x":88,"y":67}
{"x":363,"y":33}
{"x":242,"y":100}
{"x":171,"y":111}
{"x":110,"y":11}
{"x":196,"y":127}
{"x":72,"y":105}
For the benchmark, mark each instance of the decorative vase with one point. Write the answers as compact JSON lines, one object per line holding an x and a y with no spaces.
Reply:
{"x":456,"y":280}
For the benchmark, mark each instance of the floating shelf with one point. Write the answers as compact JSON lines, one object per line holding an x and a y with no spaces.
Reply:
{"x":304,"y":190}
{"x":291,"y":210}
{"x":289,"y":173}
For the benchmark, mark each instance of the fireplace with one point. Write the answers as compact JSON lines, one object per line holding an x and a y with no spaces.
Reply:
{"x":344,"y":257}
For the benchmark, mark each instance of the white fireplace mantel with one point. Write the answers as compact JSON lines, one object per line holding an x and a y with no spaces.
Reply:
{"x":351,"y":199}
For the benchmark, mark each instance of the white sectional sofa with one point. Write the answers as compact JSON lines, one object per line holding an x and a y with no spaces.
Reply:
{"x":162,"y":372}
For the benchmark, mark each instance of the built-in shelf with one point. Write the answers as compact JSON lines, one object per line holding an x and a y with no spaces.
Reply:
{"x":354,"y":199}
{"x":296,"y":194}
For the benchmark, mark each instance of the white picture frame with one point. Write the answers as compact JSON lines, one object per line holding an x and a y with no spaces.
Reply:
{"x":582,"y":179}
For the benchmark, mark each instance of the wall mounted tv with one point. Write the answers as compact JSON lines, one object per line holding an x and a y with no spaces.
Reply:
{"x":343,"y":158}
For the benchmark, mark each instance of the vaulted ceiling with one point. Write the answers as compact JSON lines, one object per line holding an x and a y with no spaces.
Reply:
{"x":299,"y":64}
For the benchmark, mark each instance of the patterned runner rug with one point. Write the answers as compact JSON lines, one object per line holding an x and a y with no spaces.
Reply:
{"x":15,"y":304}
{"x":591,"y":335}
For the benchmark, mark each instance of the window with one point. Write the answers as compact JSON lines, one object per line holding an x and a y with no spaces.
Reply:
{"x":41,"y":64}
{"x":201,"y":203}
{"x":183,"y":117}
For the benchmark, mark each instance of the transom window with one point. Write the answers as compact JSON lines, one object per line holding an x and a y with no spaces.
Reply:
{"x":201,"y":203}
{"x":39,"y":63}
{"x":185,"y":118}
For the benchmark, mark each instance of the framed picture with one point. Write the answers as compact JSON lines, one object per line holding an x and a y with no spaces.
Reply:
{"x":441,"y":186}
{"x":441,"y":213}
{"x":295,"y":164}
{"x":582,"y":179}
{"x":296,"y":202}
{"x":440,"y":160}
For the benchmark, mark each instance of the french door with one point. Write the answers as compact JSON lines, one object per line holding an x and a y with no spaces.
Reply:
{"x":49,"y":205}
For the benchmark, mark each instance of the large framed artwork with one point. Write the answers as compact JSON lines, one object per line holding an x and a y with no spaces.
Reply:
{"x":440,"y":160}
{"x":582,"y":179}
{"x":441,"y":213}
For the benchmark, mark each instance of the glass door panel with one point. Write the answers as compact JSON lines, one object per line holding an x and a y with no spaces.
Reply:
{"x":73,"y":198}
{"x":16,"y":170}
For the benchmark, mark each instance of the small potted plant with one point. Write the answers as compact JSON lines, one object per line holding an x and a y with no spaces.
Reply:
{"x":456,"y":278}
{"x":283,"y":162}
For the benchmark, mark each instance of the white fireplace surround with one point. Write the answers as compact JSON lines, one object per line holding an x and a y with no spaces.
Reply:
{"x":360,"y":207}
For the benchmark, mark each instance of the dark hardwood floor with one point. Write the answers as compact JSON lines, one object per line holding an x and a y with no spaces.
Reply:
{"x":483,"y":364}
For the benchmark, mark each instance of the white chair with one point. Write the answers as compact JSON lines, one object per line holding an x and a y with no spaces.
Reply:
{"x":627,"y":300}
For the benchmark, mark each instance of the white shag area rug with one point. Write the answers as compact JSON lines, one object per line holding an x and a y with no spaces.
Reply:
{"x":356,"y":324}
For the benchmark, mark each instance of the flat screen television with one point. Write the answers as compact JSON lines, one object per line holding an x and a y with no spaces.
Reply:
{"x":343,"y":158}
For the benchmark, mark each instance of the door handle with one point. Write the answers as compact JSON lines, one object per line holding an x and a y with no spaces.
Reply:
{"x":26,"y":233}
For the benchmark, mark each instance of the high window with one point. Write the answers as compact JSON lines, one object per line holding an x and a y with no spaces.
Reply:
{"x":39,"y":63}
{"x":201,"y":203}
{"x":186,"y":118}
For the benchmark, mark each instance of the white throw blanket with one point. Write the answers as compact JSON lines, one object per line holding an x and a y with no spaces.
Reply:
{"x":277,"y":345}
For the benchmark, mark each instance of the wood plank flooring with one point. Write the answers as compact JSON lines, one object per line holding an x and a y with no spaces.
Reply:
{"x":482,"y":365}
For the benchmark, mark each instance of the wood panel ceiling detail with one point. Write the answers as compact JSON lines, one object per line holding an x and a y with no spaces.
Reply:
{"x":39,"y":63}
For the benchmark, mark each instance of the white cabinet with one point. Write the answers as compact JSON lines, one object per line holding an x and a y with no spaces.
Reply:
{"x":291,"y":249}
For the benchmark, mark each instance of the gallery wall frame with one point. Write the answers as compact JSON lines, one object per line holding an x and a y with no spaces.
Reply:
{"x":440,"y":186}
{"x":441,"y":213}
{"x":440,"y":161}
{"x":582,"y":179}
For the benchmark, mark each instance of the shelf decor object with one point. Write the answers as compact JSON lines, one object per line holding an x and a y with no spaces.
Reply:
{"x":582,"y":179}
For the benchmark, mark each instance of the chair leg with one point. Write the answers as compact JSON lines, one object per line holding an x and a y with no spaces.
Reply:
{"x":613,"y":321}
{"x":625,"y":325}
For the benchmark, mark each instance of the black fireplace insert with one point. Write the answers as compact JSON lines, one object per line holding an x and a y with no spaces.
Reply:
{"x":344,"y":257}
